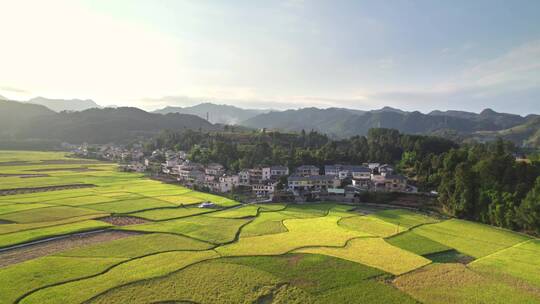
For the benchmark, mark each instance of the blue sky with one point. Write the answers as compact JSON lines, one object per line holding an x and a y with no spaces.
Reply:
{"x":415,"y":55}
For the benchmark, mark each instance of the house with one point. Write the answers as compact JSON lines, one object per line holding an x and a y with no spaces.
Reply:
{"x":243,"y":178}
{"x":214,"y":169}
{"x":255,"y":176}
{"x":361,"y":173}
{"x":345,"y":171}
{"x":266,"y":188}
{"x":228,"y":182}
{"x":274,"y":172}
{"x":307,"y":170}
{"x":386,"y":169}
{"x":395,"y":182}
{"x":312,"y":182}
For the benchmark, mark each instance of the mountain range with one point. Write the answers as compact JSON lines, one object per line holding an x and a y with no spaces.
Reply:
{"x":59,"y":105}
{"x":123,"y":123}
{"x":216,"y":113}
{"x":29,"y":121}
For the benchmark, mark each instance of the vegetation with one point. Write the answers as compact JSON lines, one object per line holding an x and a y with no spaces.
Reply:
{"x":476,"y":240}
{"x":308,"y":253}
{"x":455,"y":283}
{"x":374,"y":252}
{"x":415,"y":243}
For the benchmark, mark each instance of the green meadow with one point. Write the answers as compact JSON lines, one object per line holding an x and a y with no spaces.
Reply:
{"x":168,"y":250}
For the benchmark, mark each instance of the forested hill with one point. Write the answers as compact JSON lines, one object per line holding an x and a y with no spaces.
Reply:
{"x":22,"y":121}
{"x":217,"y":113}
{"x":344,"y":122}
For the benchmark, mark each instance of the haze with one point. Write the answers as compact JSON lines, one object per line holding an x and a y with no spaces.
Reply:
{"x":414,"y":55}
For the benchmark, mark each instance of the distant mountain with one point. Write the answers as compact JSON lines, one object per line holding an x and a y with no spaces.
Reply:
{"x":526,"y":134}
{"x":28,"y":121}
{"x":14,"y":115}
{"x":344,"y":122}
{"x":487,"y":116}
{"x":223,"y":114}
{"x":58,"y":105}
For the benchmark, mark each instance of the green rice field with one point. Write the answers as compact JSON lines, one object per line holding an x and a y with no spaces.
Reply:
{"x":125,"y":238}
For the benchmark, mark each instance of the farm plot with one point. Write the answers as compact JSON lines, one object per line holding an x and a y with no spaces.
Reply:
{"x":211,"y":229}
{"x":137,"y":246}
{"x":128,"y":206}
{"x":404,"y":218}
{"x":242,"y":212}
{"x":266,"y":223}
{"x":9,"y":208}
{"x":415,"y":243}
{"x":474,"y":239}
{"x":371,"y":225}
{"x":53,"y":213}
{"x":292,"y":278}
{"x":10,"y":228}
{"x":455,"y":283}
{"x":37,"y":234}
{"x":134,"y":270}
{"x":19,"y":279}
{"x":170,"y":213}
{"x":521,"y":261}
{"x":307,"y":210}
{"x":374,"y":252}
{"x":321,"y":231}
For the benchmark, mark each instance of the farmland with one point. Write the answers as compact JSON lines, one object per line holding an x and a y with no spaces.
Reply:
{"x":169,"y":250}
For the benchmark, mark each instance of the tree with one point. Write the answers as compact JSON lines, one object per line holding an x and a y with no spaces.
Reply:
{"x":529,"y":211}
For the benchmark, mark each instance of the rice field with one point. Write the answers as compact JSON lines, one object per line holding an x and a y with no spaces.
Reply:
{"x":256,"y":253}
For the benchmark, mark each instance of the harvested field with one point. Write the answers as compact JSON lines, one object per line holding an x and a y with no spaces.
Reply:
{"x":22,"y":175}
{"x":122,"y":220}
{"x":30,"y":252}
{"x":14,"y":163}
{"x":75,"y":169}
{"x":67,"y":162}
{"x":43,"y":189}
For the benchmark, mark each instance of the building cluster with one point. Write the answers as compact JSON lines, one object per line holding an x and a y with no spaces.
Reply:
{"x":261,"y":182}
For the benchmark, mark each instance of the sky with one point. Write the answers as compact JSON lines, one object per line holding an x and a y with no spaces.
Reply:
{"x":414,"y":55}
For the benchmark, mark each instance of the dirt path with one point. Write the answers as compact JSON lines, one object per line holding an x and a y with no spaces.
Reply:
{"x":26,"y":253}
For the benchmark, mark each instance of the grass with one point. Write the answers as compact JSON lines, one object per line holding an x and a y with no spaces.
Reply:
{"x":136,"y":246}
{"x":415,"y":243}
{"x":374,"y":252}
{"x":370,"y":225}
{"x":321,"y":231}
{"x":19,"y":279}
{"x":36,"y":234}
{"x":131,"y":271}
{"x":521,"y":261}
{"x":211,"y":229}
{"x":474,"y":239}
{"x":292,"y":278}
{"x":48,"y":214}
{"x":170,"y":213}
{"x":455,"y":283}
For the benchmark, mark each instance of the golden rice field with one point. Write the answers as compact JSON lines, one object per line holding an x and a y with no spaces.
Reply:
{"x":124,"y":238}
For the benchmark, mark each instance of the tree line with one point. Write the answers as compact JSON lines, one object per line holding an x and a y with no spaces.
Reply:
{"x":480,"y":182}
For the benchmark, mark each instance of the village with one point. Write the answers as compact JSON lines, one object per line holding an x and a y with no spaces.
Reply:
{"x":265,"y":183}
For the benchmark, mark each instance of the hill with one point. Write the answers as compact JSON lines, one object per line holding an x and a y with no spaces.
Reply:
{"x":27,"y":121}
{"x":58,"y":105}
{"x":526,"y":134}
{"x":345,"y":122}
{"x":224,"y":114}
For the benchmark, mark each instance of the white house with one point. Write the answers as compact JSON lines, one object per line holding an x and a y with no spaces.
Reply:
{"x":274,"y":172}
{"x":307,"y":170}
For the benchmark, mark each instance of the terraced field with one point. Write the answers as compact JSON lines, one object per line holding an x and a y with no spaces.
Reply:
{"x":171,"y":251}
